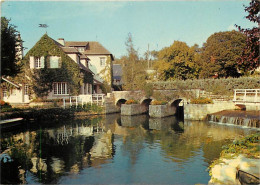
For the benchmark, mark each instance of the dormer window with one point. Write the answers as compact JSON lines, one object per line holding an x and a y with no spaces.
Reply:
{"x":36,"y":62}
{"x":81,"y":49}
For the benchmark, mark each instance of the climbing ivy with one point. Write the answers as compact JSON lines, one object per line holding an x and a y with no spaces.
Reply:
{"x":41,"y":80}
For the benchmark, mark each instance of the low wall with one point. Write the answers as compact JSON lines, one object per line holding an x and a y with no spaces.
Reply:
{"x":133,"y":109}
{"x":110,"y":107}
{"x":200,"y":111}
{"x":159,"y":111}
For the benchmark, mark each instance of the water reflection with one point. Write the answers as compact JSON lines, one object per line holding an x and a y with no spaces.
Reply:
{"x":134,"y":144}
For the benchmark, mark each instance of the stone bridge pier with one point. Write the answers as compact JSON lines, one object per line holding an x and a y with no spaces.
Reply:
{"x":117,"y":101}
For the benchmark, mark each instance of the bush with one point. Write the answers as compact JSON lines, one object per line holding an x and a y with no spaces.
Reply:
{"x":129,"y":102}
{"x":158,"y":102}
{"x":201,"y":101}
{"x":4,"y":104}
{"x":223,"y":86}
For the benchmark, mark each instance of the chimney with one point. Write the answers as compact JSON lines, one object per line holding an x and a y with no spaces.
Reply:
{"x":61,"y":41}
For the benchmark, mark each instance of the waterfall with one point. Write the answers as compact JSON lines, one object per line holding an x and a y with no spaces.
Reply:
{"x":232,"y":120}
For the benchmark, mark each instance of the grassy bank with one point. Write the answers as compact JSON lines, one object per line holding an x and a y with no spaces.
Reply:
{"x":49,"y":113}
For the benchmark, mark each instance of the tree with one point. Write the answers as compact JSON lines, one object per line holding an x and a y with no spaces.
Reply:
{"x":220,"y":54}
{"x":134,"y":74}
{"x":250,"y":56}
{"x":107,"y":76}
{"x":9,"y":43}
{"x":179,"y":61}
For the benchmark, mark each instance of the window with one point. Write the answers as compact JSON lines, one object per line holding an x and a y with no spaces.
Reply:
{"x":54,"y":62}
{"x":4,"y":92}
{"x":102,"y":61}
{"x":60,"y":88}
{"x":81,"y":49}
{"x":37,"y":62}
{"x":26,"y":90}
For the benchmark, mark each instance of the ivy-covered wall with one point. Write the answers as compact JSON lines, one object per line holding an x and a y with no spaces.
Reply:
{"x":40,"y":80}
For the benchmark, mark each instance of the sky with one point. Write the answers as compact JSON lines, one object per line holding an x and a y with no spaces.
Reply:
{"x":154,"y":23}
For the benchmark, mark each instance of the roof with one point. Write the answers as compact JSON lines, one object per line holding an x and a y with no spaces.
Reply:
{"x":85,"y":68}
{"x":82,"y":56}
{"x":117,"y":70}
{"x":95,"y":48}
{"x":70,"y":50}
{"x":10,"y":82}
{"x":97,"y":82}
{"x":75,"y":43}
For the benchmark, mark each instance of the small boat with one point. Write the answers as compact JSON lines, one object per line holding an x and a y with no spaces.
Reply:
{"x":10,"y":120}
{"x":247,"y":178}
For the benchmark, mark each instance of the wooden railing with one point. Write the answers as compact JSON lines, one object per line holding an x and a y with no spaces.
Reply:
{"x":85,"y":99}
{"x":247,"y":95}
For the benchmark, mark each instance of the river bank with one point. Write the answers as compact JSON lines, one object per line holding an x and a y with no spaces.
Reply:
{"x":238,"y":162}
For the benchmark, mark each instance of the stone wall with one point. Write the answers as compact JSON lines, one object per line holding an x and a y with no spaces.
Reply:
{"x":158,"y":111}
{"x":200,"y":111}
{"x":134,"y":109}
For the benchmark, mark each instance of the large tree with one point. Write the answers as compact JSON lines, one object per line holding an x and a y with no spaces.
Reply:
{"x":220,"y":54}
{"x":134,"y":74}
{"x":9,"y":49}
{"x":250,"y":56}
{"x":179,"y":61}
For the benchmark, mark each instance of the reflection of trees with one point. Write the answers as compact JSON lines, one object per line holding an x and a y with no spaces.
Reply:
{"x":51,"y":152}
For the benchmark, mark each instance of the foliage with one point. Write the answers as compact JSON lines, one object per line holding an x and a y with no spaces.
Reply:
{"x":201,"y":100}
{"x":220,"y":54}
{"x":248,"y":145}
{"x":9,"y":41}
{"x":41,"y":80}
{"x":179,"y":61}
{"x":148,"y":90}
{"x":107,"y":76}
{"x":250,"y":56}
{"x":158,"y":102}
{"x":129,"y":102}
{"x":216,"y":86}
{"x":134,"y":75}
{"x":91,"y":108}
{"x":4,"y":104}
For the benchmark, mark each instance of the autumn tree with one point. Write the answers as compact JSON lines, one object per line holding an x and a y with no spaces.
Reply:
{"x":220,"y":54}
{"x":9,"y":49}
{"x":134,"y":75}
{"x":250,"y":56}
{"x":179,"y":61}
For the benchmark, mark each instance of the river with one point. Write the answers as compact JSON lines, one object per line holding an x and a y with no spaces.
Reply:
{"x":113,"y":150}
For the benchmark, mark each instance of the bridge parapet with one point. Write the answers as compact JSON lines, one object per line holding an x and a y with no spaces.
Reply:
{"x":246,"y":96}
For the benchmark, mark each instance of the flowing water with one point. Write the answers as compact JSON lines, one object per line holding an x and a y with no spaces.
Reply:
{"x":113,"y":150}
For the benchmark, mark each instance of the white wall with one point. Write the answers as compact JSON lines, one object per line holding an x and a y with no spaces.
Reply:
{"x":95,"y":66}
{"x":15,"y":97}
{"x":74,"y":57}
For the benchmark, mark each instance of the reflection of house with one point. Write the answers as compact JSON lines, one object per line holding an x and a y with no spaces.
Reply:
{"x":50,"y":71}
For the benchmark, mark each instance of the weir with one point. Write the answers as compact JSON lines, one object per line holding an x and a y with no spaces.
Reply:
{"x":240,"y":118}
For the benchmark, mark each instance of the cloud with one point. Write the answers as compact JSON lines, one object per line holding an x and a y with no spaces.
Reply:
{"x":232,"y":27}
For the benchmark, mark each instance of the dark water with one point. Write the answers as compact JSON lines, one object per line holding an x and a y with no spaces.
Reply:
{"x":113,"y":150}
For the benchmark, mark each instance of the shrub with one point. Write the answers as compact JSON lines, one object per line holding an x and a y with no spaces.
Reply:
{"x":201,"y":101}
{"x":129,"y":102}
{"x":158,"y":102}
{"x":5,"y":104}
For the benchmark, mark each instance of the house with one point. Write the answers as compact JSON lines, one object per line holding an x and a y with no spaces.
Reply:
{"x":49,"y":71}
{"x":117,"y":76}
{"x":99,"y":60}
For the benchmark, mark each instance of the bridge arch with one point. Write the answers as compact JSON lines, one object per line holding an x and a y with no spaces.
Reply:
{"x":175,"y":103}
{"x":120,"y":102}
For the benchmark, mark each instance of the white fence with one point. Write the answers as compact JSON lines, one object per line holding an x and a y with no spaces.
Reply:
{"x":85,"y":99}
{"x":247,"y":95}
